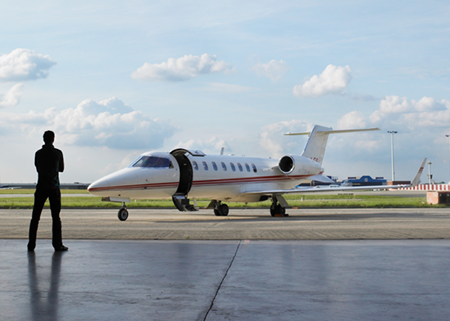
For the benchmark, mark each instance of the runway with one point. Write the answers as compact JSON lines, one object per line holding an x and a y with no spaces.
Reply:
{"x":166,"y":265}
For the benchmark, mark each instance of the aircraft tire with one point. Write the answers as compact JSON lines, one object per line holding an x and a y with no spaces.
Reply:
{"x":224,"y":209}
{"x":272,"y":211}
{"x":277,"y":209}
{"x":123,"y":214}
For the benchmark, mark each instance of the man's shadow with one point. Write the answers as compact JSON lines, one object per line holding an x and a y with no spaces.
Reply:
{"x":44,"y":304}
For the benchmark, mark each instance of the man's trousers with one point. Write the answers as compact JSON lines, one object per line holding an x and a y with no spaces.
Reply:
{"x":40,"y":196}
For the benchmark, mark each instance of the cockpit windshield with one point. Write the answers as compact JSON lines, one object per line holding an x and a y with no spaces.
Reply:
{"x":153,"y":161}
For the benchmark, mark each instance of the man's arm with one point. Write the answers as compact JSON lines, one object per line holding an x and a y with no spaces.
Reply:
{"x":36,"y":161}
{"x":61,"y":163}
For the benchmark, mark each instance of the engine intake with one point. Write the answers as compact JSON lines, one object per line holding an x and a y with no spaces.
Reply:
{"x":286,"y":164}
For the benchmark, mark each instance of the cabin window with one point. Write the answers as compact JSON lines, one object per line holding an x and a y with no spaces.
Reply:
{"x":195,"y":165}
{"x":254,"y":168}
{"x":224,"y":167}
{"x":205,"y":166}
{"x":233,"y":168}
{"x":214,"y":166}
{"x":247,"y":167}
{"x":153,"y":162}
{"x":240,"y":167}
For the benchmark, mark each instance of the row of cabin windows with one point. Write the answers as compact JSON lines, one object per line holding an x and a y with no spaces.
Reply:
{"x":224,"y":166}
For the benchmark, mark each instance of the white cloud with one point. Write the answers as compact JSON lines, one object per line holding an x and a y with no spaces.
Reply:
{"x":182,"y":68}
{"x":24,"y":64}
{"x":423,"y":121}
{"x":12,"y":97}
{"x":274,"y":69}
{"x":333,"y":80}
{"x":108,"y":123}
{"x":429,"y":104}
{"x":273,"y":140}
{"x":210,"y":146}
{"x":354,"y":119}
{"x":421,"y":126}
{"x":399,"y":112}
{"x":395,"y":104}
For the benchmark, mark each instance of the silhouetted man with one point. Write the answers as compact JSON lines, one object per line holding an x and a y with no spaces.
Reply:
{"x":49,"y":162}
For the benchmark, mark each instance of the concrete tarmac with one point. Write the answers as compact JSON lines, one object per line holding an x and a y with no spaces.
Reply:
{"x":226,"y":280}
{"x":240,"y":224}
{"x":359,"y":264}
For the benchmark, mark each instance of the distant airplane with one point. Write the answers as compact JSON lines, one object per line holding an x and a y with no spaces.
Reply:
{"x":184,"y":174}
{"x":8,"y":187}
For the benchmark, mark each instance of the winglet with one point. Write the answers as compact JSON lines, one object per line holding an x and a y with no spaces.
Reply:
{"x":416,"y":179}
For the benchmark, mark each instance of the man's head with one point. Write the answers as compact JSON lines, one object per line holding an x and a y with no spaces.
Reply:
{"x":49,"y":137}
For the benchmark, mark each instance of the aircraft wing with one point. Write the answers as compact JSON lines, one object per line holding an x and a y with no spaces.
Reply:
{"x":317,"y":189}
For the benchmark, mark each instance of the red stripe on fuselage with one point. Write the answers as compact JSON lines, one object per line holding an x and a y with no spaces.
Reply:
{"x":262,"y":179}
{"x":241,"y":180}
{"x":135,"y":186}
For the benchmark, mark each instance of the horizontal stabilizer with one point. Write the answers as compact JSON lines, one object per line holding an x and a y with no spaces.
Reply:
{"x":336,"y":131}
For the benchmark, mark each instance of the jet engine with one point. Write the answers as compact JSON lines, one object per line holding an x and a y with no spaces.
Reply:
{"x":286,"y":164}
{"x":297,"y":165}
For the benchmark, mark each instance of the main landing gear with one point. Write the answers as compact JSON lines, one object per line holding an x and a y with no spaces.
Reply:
{"x":123,"y":213}
{"x":182,"y":203}
{"x":276,"y":209}
{"x":219,"y":208}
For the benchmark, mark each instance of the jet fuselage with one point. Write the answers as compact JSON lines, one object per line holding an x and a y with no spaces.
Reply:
{"x":197,"y":175}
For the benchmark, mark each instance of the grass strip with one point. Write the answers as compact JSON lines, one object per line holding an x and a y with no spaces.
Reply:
{"x":31,"y":191}
{"x":301,"y":201}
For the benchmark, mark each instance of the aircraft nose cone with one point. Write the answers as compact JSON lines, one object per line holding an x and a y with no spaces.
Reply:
{"x":98,"y":186}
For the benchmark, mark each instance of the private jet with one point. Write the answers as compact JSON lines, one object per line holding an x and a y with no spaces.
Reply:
{"x":183,"y":175}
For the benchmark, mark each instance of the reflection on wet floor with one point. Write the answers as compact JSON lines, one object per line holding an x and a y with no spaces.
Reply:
{"x":44,"y":294}
{"x":226,"y":280}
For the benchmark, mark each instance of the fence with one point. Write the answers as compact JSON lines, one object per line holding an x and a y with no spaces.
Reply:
{"x":427,"y":187}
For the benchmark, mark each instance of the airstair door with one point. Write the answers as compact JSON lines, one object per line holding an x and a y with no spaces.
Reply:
{"x":185,"y":184}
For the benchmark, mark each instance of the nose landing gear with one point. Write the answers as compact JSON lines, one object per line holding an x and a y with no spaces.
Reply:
{"x":123,"y":213}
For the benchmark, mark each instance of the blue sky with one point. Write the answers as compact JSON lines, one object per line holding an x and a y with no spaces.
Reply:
{"x":114,"y":79}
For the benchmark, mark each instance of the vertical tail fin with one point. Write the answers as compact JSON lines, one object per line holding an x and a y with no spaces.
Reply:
{"x":317,"y":141}
{"x":416,"y":179}
{"x":316,"y":144}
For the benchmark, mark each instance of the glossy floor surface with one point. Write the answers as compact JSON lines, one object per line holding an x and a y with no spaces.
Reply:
{"x":226,"y":280}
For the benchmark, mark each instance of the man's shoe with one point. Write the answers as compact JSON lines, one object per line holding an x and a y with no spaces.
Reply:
{"x":30,"y":247}
{"x":61,"y":248}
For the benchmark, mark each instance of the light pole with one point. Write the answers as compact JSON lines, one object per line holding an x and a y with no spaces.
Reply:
{"x":449,"y":141}
{"x":429,"y":173}
{"x":392,"y":132}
